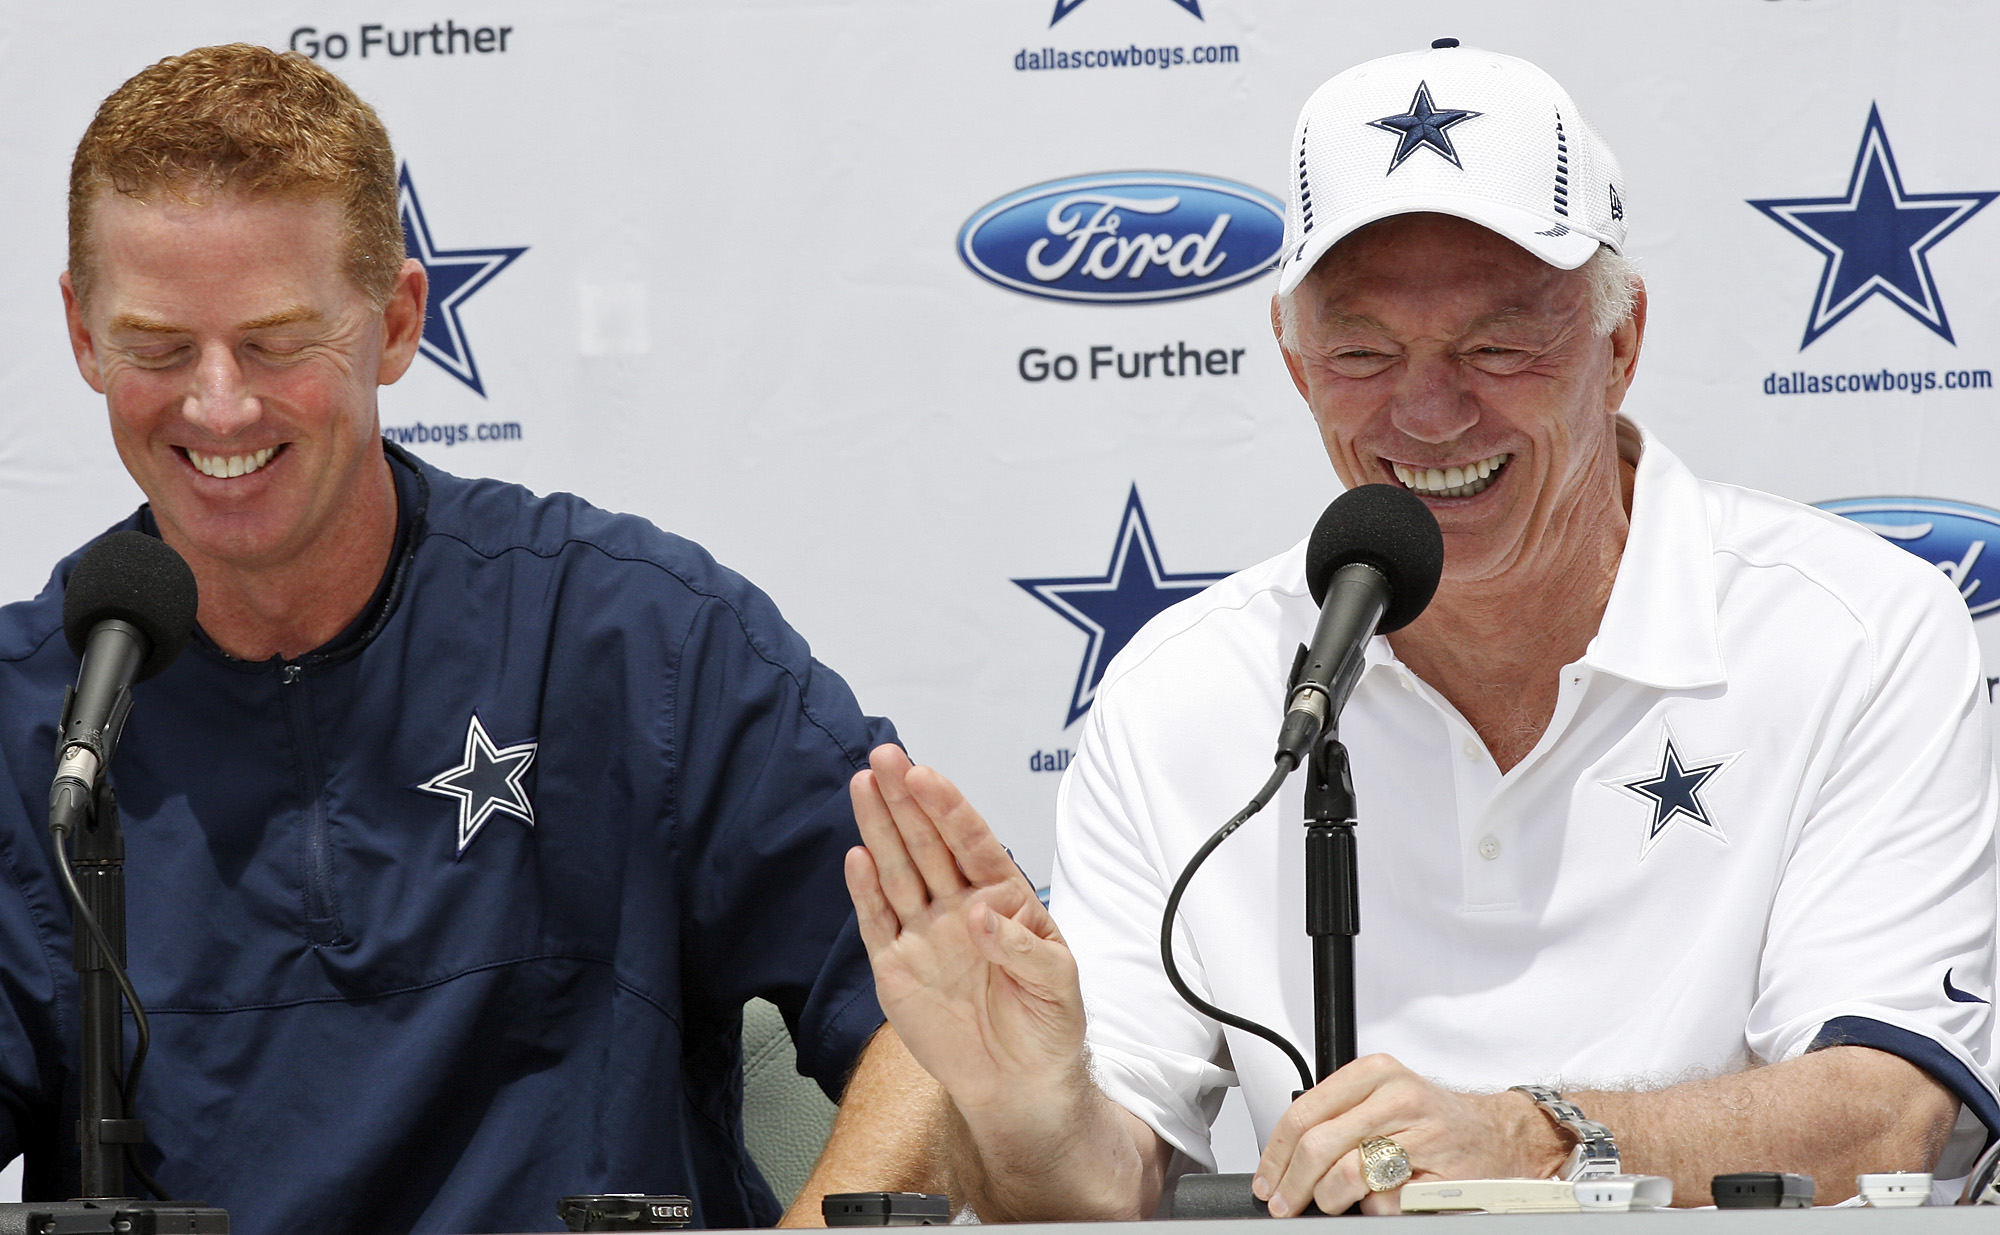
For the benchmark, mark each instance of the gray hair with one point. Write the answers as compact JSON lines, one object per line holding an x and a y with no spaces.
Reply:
{"x":1612,"y":295}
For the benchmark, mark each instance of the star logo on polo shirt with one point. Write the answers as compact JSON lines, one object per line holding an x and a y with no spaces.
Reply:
{"x":1876,"y":237}
{"x":454,"y":274}
{"x":1111,"y":607}
{"x":1674,"y":792}
{"x":486,"y":782}
{"x":1423,"y":127}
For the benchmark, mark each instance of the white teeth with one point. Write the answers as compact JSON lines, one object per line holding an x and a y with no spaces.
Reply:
{"x":1463,"y":480}
{"x":223,"y":467}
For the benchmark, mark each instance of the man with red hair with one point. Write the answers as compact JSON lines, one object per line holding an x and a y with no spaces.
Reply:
{"x":469,"y":820}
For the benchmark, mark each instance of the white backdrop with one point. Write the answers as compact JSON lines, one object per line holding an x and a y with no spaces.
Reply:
{"x":742,"y":308}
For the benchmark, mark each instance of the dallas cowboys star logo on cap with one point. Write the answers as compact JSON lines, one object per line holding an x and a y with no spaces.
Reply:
{"x":1876,"y":237}
{"x":455,"y":274}
{"x":1111,"y":607}
{"x":1423,"y":127}
{"x":487,"y":782}
{"x":1674,"y":792}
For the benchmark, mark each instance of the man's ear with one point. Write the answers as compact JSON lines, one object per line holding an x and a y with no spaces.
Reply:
{"x":1293,"y":364}
{"x":403,"y":321}
{"x":1625,"y":344}
{"x":81,"y":344}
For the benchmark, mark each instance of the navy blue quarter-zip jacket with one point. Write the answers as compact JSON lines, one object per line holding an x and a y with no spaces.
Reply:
{"x":457,"y":914}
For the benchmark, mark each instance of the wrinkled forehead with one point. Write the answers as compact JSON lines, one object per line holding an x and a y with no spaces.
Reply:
{"x":220,"y":223}
{"x":1426,"y":261}
{"x":227,"y":248}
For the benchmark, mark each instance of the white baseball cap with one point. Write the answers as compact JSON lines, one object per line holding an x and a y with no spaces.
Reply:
{"x":1458,"y":131}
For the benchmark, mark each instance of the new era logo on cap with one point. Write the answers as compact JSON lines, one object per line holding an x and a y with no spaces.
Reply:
{"x":1459,"y":131}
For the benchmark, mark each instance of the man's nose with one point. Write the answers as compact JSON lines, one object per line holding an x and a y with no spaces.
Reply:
{"x":1433,"y":403}
{"x":220,"y":402}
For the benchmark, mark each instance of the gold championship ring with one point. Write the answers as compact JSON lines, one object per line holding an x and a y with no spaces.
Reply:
{"x":1384,"y":1165}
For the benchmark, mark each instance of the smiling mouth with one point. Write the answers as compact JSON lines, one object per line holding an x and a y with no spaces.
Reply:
{"x":226,"y":467}
{"x":1465,"y":480}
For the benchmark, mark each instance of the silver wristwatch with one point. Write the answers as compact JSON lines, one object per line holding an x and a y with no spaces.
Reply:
{"x":1596,"y":1153}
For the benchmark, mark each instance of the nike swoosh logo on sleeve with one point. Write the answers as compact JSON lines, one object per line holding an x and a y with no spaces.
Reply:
{"x":1955,"y":995}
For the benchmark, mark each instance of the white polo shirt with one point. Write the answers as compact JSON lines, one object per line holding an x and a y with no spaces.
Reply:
{"x":1761,"y":820}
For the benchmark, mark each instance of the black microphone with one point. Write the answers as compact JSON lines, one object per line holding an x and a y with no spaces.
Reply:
{"x":1372,"y":564}
{"x":127,"y":611}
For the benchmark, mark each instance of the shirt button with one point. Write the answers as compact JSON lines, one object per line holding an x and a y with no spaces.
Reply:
{"x":1489,"y":848}
{"x":1471,"y":749}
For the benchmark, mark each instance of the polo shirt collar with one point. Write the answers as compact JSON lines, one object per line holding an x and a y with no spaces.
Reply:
{"x":1660,"y":628}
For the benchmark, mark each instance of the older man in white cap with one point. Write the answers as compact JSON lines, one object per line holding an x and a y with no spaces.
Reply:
{"x":1677,"y":802}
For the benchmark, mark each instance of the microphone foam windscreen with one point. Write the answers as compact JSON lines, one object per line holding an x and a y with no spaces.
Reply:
{"x":138,"y":579}
{"x":1389,"y":528}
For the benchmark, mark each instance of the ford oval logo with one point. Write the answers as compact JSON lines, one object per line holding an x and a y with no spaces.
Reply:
{"x":1961,"y":539}
{"x":1125,"y":237}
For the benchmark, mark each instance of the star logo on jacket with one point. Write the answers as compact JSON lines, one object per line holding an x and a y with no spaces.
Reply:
{"x":1424,"y":127}
{"x":1673,"y":792}
{"x":455,"y":274}
{"x":1876,"y":237}
{"x":486,"y":782}
{"x":1065,"y":7}
{"x":1111,"y":607}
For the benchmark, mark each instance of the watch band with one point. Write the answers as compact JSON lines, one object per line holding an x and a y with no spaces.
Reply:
{"x":1595,"y":1152}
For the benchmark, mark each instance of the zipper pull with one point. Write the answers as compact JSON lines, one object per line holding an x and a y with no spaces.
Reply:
{"x":290,"y":674}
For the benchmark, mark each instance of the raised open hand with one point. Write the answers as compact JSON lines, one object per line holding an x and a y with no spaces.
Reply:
{"x":969,"y":966}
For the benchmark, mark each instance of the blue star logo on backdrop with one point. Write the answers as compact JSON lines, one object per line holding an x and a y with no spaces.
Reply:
{"x":487,"y":782}
{"x":1876,"y":237}
{"x":455,"y":274}
{"x":1111,"y":607}
{"x":1674,"y":792}
{"x":1065,"y":7}
{"x":1423,"y":127}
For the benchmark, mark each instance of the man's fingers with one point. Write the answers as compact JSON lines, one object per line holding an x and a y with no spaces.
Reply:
{"x":1325,"y":1169}
{"x":897,"y":875}
{"x":1042,"y":967}
{"x":1341,"y":1185}
{"x":928,"y":852}
{"x":872,"y":911}
{"x":1016,"y":900}
{"x":977,"y":851}
{"x":1376,"y":1203}
{"x":1332,"y":1097}
{"x":1369,"y":1097}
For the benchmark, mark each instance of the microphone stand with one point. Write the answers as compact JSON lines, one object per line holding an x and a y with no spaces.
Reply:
{"x":97,"y":851}
{"x":104,"y":1129}
{"x":1333,"y":919}
{"x":1333,"y":901}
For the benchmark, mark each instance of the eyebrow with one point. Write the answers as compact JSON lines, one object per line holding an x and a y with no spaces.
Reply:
{"x":1499,"y":317}
{"x":283,"y":317}
{"x":152,"y":325}
{"x":145,"y":325}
